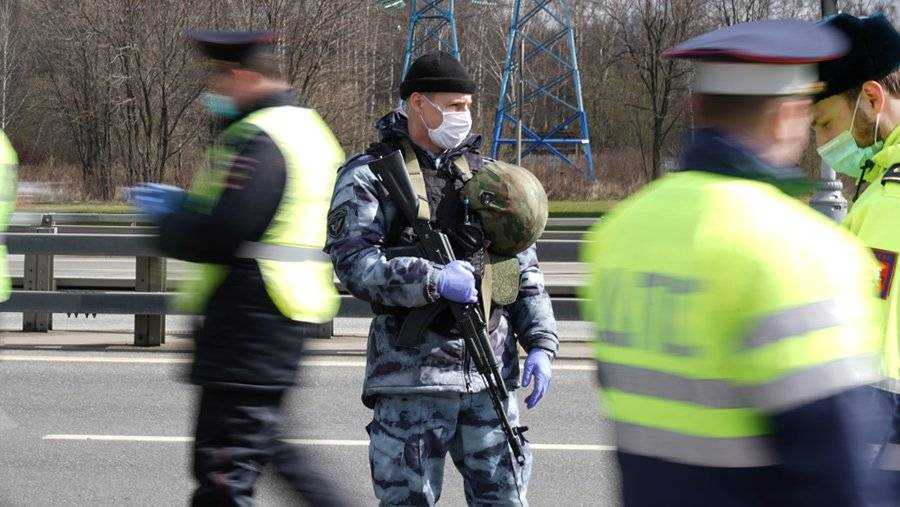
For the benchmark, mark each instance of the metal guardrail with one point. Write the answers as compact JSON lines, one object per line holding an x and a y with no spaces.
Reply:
{"x":34,"y":219}
{"x":147,"y":298}
{"x":30,"y":218}
{"x":124,"y":245}
{"x":158,"y":304}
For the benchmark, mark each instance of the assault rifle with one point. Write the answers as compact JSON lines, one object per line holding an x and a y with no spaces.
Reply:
{"x":434,"y":246}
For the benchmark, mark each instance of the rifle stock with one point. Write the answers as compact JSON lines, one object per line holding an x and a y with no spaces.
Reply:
{"x":391,"y":170}
{"x":434,"y":245}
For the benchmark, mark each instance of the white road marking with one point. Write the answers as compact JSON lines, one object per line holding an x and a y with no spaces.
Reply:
{"x":120,"y":438}
{"x":147,"y":360}
{"x":299,"y":441}
{"x":349,"y":363}
{"x":95,"y":359}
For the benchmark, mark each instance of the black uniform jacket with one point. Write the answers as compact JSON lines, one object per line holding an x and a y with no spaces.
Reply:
{"x":244,"y":341}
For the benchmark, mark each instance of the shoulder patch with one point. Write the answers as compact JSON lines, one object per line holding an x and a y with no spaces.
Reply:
{"x":337,"y":220}
{"x":888,"y":262}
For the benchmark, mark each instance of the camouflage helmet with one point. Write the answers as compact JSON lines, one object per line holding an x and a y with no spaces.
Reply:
{"x":511,"y":203}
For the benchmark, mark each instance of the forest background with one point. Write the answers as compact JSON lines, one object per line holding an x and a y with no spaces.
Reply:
{"x":97,"y":95}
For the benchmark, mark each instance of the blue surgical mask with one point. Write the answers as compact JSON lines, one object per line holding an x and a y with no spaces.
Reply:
{"x":220,"y":105}
{"x":845,"y":156}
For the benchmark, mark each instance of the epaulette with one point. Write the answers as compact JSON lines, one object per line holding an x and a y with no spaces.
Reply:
{"x":355,"y":161}
{"x":892,"y":175}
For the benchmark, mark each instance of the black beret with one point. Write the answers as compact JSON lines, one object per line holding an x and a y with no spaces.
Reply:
{"x":874,"y":53}
{"x":436,"y":72}
{"x":230,"y":45}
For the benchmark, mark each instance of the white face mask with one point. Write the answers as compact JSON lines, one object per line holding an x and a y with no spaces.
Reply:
{"x":453,"y":130}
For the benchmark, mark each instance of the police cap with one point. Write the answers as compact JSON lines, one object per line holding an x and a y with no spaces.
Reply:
{"x":230,"y":45}
{"x":767,"y":58}
{"x":874,"y":53}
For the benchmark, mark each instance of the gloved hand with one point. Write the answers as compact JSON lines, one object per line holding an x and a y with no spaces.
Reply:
{"x":156,"y":199}
{"x":456,"y":282}
{"x":537,"y":365}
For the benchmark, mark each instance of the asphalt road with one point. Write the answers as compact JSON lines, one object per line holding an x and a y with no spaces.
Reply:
{"x":51,"y":402}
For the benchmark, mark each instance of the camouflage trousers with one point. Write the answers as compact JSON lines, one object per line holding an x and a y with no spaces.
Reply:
{"x":410,"y":436}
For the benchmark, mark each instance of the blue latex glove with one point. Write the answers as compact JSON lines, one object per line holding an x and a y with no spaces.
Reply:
{"x":537,"y":365}
{"x":456,"y":282}
{"x":155,"y":199}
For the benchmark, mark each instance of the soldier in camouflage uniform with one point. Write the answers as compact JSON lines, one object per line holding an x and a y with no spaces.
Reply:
{"x":429,"y":400}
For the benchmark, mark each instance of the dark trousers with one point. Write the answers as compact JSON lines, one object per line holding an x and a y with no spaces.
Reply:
{"x":237,"y":435}
{"x":885,"y":485}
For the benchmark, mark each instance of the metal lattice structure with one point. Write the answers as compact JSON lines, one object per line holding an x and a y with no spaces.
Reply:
{"x":431,"y":26}
{"x":557,"y":123}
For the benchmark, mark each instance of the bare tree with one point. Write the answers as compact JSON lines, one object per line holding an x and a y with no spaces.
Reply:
{"x":156,"y":84}
{"x":732,"y":12}
{"x":13,"y":62}
{"x":646,"y":30}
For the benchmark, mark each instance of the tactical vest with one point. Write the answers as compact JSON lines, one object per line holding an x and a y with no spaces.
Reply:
{"x":8,"y":163}
{"x":298,"y":276}
{"x":441,"y":201}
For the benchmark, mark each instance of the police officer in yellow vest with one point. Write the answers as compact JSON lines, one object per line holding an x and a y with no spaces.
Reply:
{"x":9,"y":162}
{"x":255,"y":220}
{"x":857,"y":126}
{"x":732,"y":344}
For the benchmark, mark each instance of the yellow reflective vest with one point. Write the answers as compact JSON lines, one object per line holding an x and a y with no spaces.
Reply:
{"x":875,"y":219}
{"x":298,"y":276}
{"x":718,"y":301}
{"x":9,"y":162}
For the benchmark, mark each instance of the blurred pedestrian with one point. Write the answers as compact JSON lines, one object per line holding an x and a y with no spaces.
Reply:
{"x":736,"y":327}
{"x":255,"y":221}
{"x":9,"y":164}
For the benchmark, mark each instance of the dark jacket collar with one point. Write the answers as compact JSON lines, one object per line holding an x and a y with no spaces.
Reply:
{"x":283,"y":98}
{"x":713,"y":151}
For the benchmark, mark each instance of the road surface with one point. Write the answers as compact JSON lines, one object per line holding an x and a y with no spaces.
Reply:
{"x":113,"y":428}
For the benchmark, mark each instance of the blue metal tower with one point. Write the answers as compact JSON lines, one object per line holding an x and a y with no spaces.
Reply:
{"x":545,"y":29}
{"x":431,"y":26}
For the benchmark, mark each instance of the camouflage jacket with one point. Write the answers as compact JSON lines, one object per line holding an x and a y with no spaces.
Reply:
{"x":359,"y":221}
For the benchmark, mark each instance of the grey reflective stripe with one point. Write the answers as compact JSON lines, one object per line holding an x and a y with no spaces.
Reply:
{"x":631,"y":379}
{"x":693,"y":450}
{"x":889,"y":384}
{"x":282,"y":253}
{"x":793,"y":322}
{"x":815,"y":383}
{"x":889,"y":457}
{"x":615,"y":338}
{"x":675,"y":285}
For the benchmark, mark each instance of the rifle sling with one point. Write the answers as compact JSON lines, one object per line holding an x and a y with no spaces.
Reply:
{"x":418,"y":183}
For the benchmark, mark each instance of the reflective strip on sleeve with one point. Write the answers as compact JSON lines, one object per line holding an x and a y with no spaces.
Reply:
{"x":814,"y":383}
{"x":756,"y":451}
{"x":793,"y":322}
{"x":891,"y":385}
{"x":281,"y":253}
{"x":631,"y":379}
{"x":889,"y":457}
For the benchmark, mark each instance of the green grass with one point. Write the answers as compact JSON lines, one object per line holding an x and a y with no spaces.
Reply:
{"x":580,"y":208}
{"x":77,"y":207}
